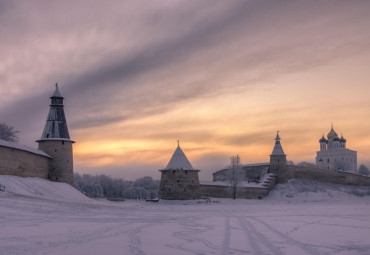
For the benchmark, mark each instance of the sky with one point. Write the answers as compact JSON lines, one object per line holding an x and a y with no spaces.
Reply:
{"x":220,"y":76}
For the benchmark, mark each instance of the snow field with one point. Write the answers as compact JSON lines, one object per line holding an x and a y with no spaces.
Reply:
{"x":305,"y":222}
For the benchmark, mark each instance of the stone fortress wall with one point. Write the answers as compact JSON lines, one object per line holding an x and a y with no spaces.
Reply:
{"x":225,"y":191}
{"x":23,"y":163}
{"x":331,"y":176}
{"x":285,"y":174}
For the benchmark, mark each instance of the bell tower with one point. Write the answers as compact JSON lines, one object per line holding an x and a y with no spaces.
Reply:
{"x":56,"y":142}
{"x":277,"y":159}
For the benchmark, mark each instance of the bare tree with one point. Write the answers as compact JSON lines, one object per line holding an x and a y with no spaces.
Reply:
{"x":234,"y":172}
{"x":8,"y":133}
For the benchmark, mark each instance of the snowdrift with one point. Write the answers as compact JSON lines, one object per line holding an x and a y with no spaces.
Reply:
{"x":40,"y":188}
{"x":302,"y":190}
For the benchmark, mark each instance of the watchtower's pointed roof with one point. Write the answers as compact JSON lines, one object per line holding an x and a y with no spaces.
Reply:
{"x":56,"y":124}
{"x":179,"y":161}
{"x":56,"y":92}
{"x":278,"y":150}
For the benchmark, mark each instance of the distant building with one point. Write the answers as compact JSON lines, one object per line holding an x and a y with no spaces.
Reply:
{"x":54,"y":158}
{"x":257,"y":180}
{"x":179,"y":180}
{"x":255,"y":172}
{"x":334,"y":155}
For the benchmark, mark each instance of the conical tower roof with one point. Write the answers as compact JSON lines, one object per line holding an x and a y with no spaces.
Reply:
{"x":56,"y":92}
{"x":56,"y":124}
{"x":278,"y":150}
{"x":179,"y":161}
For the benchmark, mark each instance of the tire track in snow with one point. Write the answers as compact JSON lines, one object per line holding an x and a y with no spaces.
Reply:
{"x":65,"y":240}
{"x":302,"y":225}
{"x":192,"y":233}
{"x":135,"y":240}
{"x":303,"y":246}
{"x":226,"y":243}
{"x":257,"y":240}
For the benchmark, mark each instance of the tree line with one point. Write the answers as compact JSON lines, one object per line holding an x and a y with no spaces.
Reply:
{"x":103,"y":186}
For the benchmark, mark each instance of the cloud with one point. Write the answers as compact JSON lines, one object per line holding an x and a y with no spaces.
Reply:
{"x":127,"y":68}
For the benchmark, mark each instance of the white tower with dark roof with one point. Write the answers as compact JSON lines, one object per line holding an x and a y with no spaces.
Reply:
{"x":277,"y":158}
{"x":55,"y":141}
{"x":179,"y":180}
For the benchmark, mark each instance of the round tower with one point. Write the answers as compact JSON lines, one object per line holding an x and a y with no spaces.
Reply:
{"x":55,"y":141}
{"x":277,"y":159}
{"x":179,"y":180}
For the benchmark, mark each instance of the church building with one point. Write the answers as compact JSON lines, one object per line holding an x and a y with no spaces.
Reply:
{"x":334,"y":155}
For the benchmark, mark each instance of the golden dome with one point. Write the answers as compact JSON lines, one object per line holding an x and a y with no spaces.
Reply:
{"x":332,"y":134}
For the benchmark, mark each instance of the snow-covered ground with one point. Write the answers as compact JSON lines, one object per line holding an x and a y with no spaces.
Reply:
{"x":300,"y":217}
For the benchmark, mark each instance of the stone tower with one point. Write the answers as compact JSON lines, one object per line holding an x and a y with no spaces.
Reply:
{"x":278,"y":159}
{"x":55,"y":141}
{"x":179,"y":180}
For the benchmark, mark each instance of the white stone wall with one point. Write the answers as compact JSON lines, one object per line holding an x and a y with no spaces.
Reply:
{"x":337,"y":159}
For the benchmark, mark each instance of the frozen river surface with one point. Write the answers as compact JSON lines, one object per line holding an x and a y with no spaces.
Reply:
{"x":38,"y":225}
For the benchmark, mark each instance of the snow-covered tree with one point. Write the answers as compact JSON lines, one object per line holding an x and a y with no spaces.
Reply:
{"x":364,"y":170}
{"x":306,"y":164}
{"x":290,"y":162}
{"x":8,"y":133}
{"x":106,"y":186}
